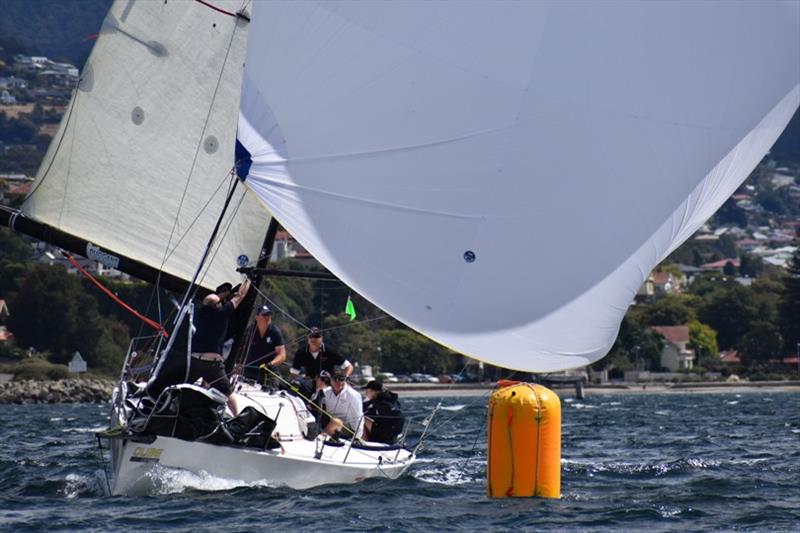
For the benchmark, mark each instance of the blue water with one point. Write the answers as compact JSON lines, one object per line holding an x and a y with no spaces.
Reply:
{"x":669,"y":462}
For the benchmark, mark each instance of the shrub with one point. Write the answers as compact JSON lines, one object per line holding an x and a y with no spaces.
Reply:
{"x":38,"y":369}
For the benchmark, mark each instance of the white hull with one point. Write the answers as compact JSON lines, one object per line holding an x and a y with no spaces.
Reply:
{"x":299,"y":463}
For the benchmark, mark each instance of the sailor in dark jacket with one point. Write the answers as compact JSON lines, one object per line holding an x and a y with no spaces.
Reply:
{"x":383,"y":419}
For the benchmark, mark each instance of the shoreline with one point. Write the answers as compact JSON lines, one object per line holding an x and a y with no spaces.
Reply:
{"x":422,"y":390}
{"x":99,"y":391}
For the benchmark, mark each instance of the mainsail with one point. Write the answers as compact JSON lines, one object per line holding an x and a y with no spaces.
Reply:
{"x":502,"y":176}
{"x":141,"y":163}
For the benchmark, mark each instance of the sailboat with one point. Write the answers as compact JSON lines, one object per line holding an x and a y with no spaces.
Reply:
{"x":500,"y":177}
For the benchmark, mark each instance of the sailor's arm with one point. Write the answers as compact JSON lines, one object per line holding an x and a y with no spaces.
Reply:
{"x":347,"y":367}
{"x":236,"y":300}
{"x":280,"y":356}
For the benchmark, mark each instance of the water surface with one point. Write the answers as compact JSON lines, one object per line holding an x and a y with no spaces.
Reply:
{"x":661,"y":462}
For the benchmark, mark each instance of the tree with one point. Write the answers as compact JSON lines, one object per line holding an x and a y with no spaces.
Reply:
{"x":731,"y":312}
{"x":730,"y":213}
{"x":403,"y":350}
{"x":697,"y":259}
{"x":672,"y":310}
{"x":789,"y":305}
{"x":703,"y":340}
{"x":727,"y":245}
{"x":13,"y":246}
{"x":634,"y":345}
{"x":761,"y":343}
{"x":708,"y":282}
{"x":750,"y":266}
{"x":729,"y":269}
{"x":54,"y":312}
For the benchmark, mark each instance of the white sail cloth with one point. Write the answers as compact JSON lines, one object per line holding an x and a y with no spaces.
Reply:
{"x":141,"y":163}
{"x":503,"y":176}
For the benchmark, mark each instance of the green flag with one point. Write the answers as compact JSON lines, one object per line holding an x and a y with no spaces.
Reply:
{"x":350,"y":309}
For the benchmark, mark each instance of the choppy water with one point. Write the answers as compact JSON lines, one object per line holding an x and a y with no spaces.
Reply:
{"x":630,"y":462}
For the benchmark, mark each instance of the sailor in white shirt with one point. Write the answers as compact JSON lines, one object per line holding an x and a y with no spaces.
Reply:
{"x":344,"y":404}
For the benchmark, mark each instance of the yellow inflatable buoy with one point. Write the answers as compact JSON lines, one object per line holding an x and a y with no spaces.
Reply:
{"x":524,"y":457}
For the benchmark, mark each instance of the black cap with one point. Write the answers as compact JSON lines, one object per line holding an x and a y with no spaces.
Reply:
{"x":374,"y":385}
{"x":224,"y":287}
{"x":314,"y":332}
{"x":264,"y":310}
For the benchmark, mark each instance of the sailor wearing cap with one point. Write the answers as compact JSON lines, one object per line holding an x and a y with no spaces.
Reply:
{"x":315,"y":357}
{"x":343,"y":404}
{"x":267,"y":346}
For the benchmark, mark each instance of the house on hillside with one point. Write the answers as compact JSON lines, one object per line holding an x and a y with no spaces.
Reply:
{"x":730,"y":357}
{"x":720,"y":265}
{"x":675,"y":355}
{"x":667,"y":283}
{"x":646,"y":292}
{"x":6,"y":98}
{"x":286,"y":246}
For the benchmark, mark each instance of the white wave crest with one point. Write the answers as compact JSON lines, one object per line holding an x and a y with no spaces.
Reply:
{"x":453,"y":472}
{"x":163,"y":480}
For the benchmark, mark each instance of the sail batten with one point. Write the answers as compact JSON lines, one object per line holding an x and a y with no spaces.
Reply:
{"x":503,"y":183}
{"x":143,"y":158}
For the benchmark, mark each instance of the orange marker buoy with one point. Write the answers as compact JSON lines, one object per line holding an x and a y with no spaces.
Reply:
{"x":524,"y":457}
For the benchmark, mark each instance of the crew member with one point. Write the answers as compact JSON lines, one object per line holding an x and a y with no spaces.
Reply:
{"x":342,"y":403}
{"x":383,"y":419}
{"x":315,"y":357}
{"x":211,"y":324}
{"x":267,"y":346}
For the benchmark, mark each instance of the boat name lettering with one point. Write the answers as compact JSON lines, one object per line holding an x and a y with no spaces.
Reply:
{"x":96,"y":254}
{"x":146,"y":455}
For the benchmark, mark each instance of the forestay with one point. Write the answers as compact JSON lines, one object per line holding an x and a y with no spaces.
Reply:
{"x":503,"y":176}
{"x":141,"y":162}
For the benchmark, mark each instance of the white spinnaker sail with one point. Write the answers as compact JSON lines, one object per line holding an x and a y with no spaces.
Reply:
{"x":141,"y":162}
{"x":503,"y":176}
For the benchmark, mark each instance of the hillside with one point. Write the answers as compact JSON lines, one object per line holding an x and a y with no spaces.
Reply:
{"x":59,"y":29}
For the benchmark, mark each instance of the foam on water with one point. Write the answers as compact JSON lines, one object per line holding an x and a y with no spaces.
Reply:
{"x":163,"y":480}
{"x":84,"y":429}
{"x":450,"y":472}
{"x":458,"y":407}
{"x":77,"y":485}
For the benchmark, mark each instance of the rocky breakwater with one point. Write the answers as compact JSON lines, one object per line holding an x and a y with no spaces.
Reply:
{"x":61,"y":391}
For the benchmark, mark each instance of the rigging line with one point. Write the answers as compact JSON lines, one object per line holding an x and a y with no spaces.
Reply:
{"x":471,"y":454}
{"x":279,"y":308}
{"x":221,"y":238}
{"x":156,"y":326}
{"x":199,"y":144}
{"x":441,"y":398}
{"x":473,"y":402}
{"x":211,"y":197}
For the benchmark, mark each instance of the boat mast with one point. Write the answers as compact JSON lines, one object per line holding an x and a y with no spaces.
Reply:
{"x":241,"y":319}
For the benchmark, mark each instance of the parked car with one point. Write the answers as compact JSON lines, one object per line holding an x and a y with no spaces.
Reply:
{"x":387,"y":377}
{"x":403,"y":378}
